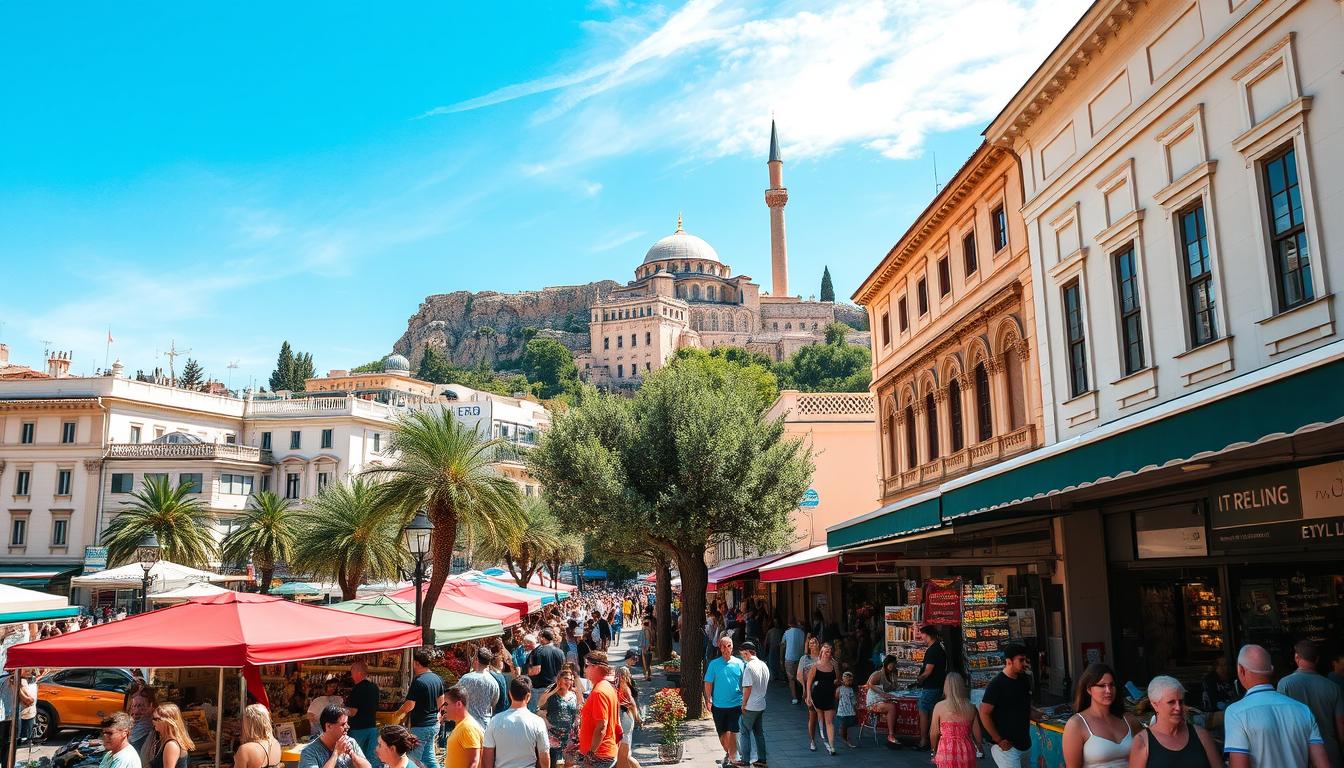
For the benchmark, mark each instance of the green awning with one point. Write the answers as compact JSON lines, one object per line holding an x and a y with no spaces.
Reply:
{"x":449,"y":626}
{"x":1277,"y":407}
{"x":30,"y":575}
{"x":18,"y":617}
{"x":898,"y":519}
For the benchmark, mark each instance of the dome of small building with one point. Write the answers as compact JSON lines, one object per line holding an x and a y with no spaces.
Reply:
{"x":177,"y":438}
{"x":681,"y":246}
{"x":396,"y":364}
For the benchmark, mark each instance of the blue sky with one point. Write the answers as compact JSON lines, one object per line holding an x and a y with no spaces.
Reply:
{"x":231,"y":176}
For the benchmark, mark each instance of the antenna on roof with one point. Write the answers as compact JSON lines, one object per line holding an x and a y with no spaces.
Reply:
{"x":172,"y":355}
{"x":46,"y":349}
{"x":231,"y":366}
{"x":936,"y":186}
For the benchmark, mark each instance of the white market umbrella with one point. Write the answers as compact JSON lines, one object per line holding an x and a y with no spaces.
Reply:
{"x":199,"y":589}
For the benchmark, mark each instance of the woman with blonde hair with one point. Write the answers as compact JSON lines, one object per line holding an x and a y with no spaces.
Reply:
{"x":172,"y":743}
{"x":954,"y":729}
{"x":257,"y":747}
{"x":628,"y":702}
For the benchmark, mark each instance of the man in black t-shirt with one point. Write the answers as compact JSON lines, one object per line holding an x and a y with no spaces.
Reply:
{"x":362,"y":707}
{"x":543,"y":665}
{"x":1006,"y":711}
{"x":930,"y":680}
{"x":423,"y":700}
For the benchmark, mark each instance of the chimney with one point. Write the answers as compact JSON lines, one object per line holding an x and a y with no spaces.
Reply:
{"x":58,"y":365}
{"x":4,"y":354}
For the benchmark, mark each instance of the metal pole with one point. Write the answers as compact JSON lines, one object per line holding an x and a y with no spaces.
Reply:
{"x":219,"y":719}
{"x":12,"y":748}
{"x":419,"y":586}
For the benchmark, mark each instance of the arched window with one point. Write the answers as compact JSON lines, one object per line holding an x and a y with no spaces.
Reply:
{"x":686,"y":266}
{"x":984,"y":417}
{"x":931,"y":421}
{"x":681,"y":291}
{"x":709,"y":293}
{"x":695,"y":293}
{"x":911,"y":443}
{"x":892,"y":442}
{"x":700,"y":268}
{"x":1017,"y":401}
{"x":954,"y":415}
{"x":713,"y":322}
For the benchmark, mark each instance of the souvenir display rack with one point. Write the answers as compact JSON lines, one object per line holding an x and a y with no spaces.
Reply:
{"x":902,"y":626}
{"x":984,"y":628}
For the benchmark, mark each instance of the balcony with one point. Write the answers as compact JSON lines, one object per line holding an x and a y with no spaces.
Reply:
{"x":968,"y":459}
{"x":797,"y":406}
{"x":206,"y":451}
{"x":321,"y":406}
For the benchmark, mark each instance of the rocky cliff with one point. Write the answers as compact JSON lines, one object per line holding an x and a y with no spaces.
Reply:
{"x":488,"y":326}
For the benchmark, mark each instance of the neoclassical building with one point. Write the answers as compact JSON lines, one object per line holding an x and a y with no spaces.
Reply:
{"x":684,"y":295}
{"x":954,"y":334}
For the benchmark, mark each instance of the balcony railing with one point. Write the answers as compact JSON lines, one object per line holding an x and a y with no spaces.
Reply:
{"x":322,"y":406}
{"x":971,"y":458}
{"x":207,"y":451}
{"x":825,"y":406}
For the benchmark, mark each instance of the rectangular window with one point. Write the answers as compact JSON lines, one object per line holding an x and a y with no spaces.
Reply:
{"x":265,"y":482}
{"x":377,"y":442}
{"x":902,"y":315}
{"x":292,"y":485}
{"x":648,"y":338}
{"x":620,"y":342}
{"x":230,"y":439}
{"x":60,"y":530}
{"x":135,"y":434}
{"x":266,"y":441}
{"x":1288,"y":233}
{"x":634,"y":340}
{"x":1199,"y":293}
{"x":63,"y":482}
{"x":18,"y":532}
{"x":154,"y":477}
{"x":968,"y":253}
{"x":22,"y":479}
{"x":886,"y":329}
{"x":27,"y":432}
{"x":123,"y":482}
{"x":620,"y":371}
{"x":1127,"y":294}
{"x":326,"y":438}
{"x":295,"y":439}
{"x":648,"y":366}
{"x":944,"y":277}
{"x":68,"y":432}
{"x":194,"y":482}
{"x":922,"y":295}
{"x":998,"y":222}
{"x":606,"y":342}
{"x":322,"y":479}
{"x":1076,"y":338}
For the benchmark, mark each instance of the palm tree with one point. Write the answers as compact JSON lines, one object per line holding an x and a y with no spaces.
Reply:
{"x":267,"y":532}
{"x":569,"y":548}
{"x":346,"y":535}
{"x":183,"y":527}
{"x":524,"y":552}
{"x":444,"y":468}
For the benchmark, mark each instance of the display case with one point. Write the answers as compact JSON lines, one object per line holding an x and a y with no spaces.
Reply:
{"x":1204,"y":617}
{"x":902,"y":641}
{"x":984,"y":631}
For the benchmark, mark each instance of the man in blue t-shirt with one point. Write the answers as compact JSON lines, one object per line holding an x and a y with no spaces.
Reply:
{"x":723,"y":688}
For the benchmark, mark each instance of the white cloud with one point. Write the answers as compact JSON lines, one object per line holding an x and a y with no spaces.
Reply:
{"x":615,"y":240}
{"x":882,"y":74}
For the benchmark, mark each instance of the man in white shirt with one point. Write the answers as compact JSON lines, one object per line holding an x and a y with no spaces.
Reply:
{"x":116,"y":738}
{"x":320,"y":703}
{"x":1267,"y":729}
{"x":755,"y":684}
{"x":517,"y":738}
{"x":793,"y":651}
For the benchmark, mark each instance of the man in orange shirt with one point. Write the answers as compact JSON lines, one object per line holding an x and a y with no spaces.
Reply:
{"x":597,"y":723}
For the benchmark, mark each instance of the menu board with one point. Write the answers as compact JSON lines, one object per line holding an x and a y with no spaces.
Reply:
{"x":942,"y":602}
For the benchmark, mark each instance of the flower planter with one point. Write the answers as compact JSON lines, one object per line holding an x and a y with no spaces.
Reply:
{"x":670,"y":753}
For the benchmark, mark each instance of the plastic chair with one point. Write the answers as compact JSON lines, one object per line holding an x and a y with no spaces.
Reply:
{"x":868,"y":718}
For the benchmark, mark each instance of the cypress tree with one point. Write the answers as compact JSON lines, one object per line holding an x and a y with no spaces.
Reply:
{"x":283,"y":374}
{"x":827,"y":290}
{"x":192,"y":375}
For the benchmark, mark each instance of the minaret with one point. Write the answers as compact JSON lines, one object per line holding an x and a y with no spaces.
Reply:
{"x":775,"y":199}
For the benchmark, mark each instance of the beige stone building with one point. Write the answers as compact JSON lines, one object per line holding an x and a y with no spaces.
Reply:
{"x":394,"y":385}
{"x":684,"y":295}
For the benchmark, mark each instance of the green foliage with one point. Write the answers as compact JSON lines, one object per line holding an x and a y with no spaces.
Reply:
{"x":347,"y":534}
{"x":724,"y":363}
{"x":435,"y":367}
{"x":173,"y":514}
{"x":550,"y":365}
{"x":486,"y":330}
{"x":193,"y":376}
{"x":529,"y":548}
{"x":373,"y":366}
{"x":291,"y":369}
{"x":827,"y":289}
{"x":267,"y":532}
{"x":836,"y":366}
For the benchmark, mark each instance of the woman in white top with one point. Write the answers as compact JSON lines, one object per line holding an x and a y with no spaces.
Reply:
{"x":1101,"y":733}
{"x":805,"y":664}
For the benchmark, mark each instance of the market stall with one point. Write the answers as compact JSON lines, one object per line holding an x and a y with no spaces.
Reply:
{"x":23,"y":605}
{"x":453,"y":599}
{"x":189,"y":592}
{"x":545,"y":596}
{"x":448,"y":626}
{"x":240,"y":633}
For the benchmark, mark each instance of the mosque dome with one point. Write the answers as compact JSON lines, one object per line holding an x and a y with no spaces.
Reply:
{"x":681,"y":246}
{"x":396,"y":364}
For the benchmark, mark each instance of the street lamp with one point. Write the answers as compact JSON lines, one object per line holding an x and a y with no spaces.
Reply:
{"x":417,"y":534}
{"x":147,"y":554}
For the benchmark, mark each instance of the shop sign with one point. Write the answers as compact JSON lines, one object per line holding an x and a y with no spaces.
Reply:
{"x":942,"y":602}
{"x":810,"y":499}
{"x":95,"y":559}
{"x":1271,"y":498}
{"x":1313,"y":515}
{"x":1160,"y":533}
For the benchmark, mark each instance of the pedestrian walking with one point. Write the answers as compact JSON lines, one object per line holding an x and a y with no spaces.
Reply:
{"x":1267,"y":728}
{"x":1006,"y":710}
{"x":805,"y":664}
{"x":1320,"y":695}
{"x":362,"y":707}
{"x":932,"y":671}
{"x":333,"y":747}
{"x":423,"y":699}
{"x":463,"y":749}
{"x":499,"y":657}
{"x":821,"y":680}
{"x":646,"y":649}
{"x":257,"y":745}
{"x":544,"y":662}
{"x":394,"y":745}
{"x":793,"y":643}
{"x":173,"y":744}
{"x":27,"y":705}
{"x":723,"y":688}
{"x":755,"y":685}
{"x":954,"y":730}
{"x":1170,"y":741}
{"x":846,"y":699}
{"x":482,"y":690}
{"x":116,"y":737}
{"x":1100,"y":733}
{"x":598,"y":718}
{"x":516,"y":737}
{"x":560,"y":703}
{"x":627,"y":699}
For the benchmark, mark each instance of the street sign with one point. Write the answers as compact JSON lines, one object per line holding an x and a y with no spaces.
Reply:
{"x":810,"y":499}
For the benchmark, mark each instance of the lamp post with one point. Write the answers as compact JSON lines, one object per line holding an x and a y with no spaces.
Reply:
{"x":417,"y":534}
{"x":147,"y":554}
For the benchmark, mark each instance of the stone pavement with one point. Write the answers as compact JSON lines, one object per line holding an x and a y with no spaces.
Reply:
{"x":785,"y":736}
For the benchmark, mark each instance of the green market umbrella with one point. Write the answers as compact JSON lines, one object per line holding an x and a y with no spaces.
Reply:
{"x":292,"y":588}
{"x":449,"y":626}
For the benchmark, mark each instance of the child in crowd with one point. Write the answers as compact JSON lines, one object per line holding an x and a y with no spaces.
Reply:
{"x":845,"y":697}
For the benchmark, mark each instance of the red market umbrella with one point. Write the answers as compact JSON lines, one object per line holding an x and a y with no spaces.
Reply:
{"x":450,"y":599}
{"x":519,"y":601}
{"x":545,"y":584}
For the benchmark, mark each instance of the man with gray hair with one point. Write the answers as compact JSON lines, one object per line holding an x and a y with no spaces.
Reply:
{"x":1267,"y":729}
{"x":1320,"y":695}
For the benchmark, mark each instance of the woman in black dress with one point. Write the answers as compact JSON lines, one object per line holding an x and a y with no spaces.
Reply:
{"x":172,"y":748}
{"x":820,"y":687}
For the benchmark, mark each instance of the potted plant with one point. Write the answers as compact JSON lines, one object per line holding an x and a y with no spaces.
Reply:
{"x":672,"y":669}
{"x":669,"y":711}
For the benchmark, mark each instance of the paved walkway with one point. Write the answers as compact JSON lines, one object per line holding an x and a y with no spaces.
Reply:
{"x":785,"y":736}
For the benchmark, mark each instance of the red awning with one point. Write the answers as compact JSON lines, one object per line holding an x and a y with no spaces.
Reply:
{"x":452,"y":600}
{"x":545,"y":584}
{"x":817,"y":561}
{"x":519,"y":601}
{"x":742,"y":569}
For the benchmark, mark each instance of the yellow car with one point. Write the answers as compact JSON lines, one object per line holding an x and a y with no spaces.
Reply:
{"x":78,"y":698}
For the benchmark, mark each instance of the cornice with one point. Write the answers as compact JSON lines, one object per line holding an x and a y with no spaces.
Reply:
{"x":51,"y":404}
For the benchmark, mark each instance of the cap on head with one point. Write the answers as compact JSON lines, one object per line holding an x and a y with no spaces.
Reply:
{"x":747,"y":646}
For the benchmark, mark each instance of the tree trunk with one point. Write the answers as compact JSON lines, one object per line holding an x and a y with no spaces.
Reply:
{"x":662,"y":642}
{"x":443,"y":540}
{"x":267,"y":574}
{"x":694,"y":581}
